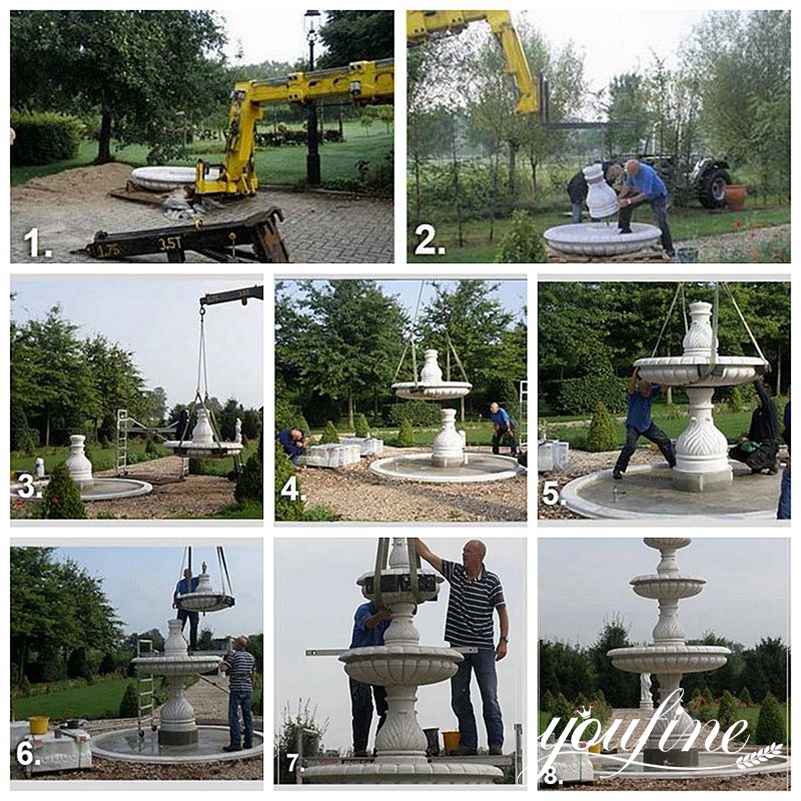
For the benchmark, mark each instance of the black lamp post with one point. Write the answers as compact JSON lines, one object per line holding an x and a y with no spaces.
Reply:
{"x":311,"y":21}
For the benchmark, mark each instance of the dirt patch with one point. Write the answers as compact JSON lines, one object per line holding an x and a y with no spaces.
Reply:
{"x":354,"y":493}
{"x":72,"y":186}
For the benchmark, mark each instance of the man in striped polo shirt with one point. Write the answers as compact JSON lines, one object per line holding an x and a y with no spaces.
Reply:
{"x":475,"y":594}
{"x":239,"y":665}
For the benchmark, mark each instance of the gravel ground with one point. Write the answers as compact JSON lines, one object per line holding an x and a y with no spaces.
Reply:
{"x":710,"y":247}
{"x":195,"y":496}
{"x":769,"y":782}
{"x":581,"y":463}
{"x":354,"y":493}
{"x":71,"y":206}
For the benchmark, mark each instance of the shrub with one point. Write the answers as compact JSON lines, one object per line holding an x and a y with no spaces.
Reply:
{"x":770,"y":726}
{"x":129,"y":706}
{"x":330,"y":435}
{"x":44,"y":137}
{"x":707,"y":696}
{"x":581,"y":395}
{"x":727,"y":710}
{"x":523,"y":243}
{"x":547,"y":701}
{"x":197,"y":467}
{"x":61,"y":499}
{"x":250,"y":485}
{"x":289,"y":416}
{"x":360,"y":426}
{"x":285,"y":509}
{"x":151,"y":449}
{"x":405,"y":435}
{"x":745,"y":697}
{"x":418,"y":413}
{"x":603,"y":430}
{"x":563,"y":710}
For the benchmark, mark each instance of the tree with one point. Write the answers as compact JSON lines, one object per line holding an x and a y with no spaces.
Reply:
{"x":627,"y":101}
{"x":205,"y":640}
{"x":621,"y":689}
{"x":603,"y":430}
{"x":727,"y":710}
{"x":138,"y":70}
{"x":129,"y":705}
{"x":303,"y":723}
{"x":356,"y":36}
{"x":771,"y":726}
{"x":745,"y":697}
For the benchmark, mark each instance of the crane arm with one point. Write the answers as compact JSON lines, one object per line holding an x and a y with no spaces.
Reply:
{"x":364,"y":82}
{"x":423,"y":26}
{"x":232,"y":295}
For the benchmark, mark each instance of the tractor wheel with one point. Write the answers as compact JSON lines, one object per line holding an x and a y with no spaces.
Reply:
{"x":712,"y":188}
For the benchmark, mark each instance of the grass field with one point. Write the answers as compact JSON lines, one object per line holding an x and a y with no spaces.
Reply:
{"x":101,"y":458}
{"x":686,"y":223}
{"x":732,"y":424}
{"x":279,"y":165}
{"x":100,"y":700}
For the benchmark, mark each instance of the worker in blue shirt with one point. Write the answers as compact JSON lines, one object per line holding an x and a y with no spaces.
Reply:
{"x":504,"y":427}
{"x":369,"y":624}
{"x":639,"y":424}
{"x":643,"y":185}
{"x":186,"y":585}
{"x":293,"y":442}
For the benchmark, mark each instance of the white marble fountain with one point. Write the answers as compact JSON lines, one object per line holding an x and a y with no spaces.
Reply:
{"x":203,"y":443}
{"x":669,"y":657}
{"x":595,"y":239}
{"x":702,"y":462}
{"x":401,"y":665}
{"x":448,"y":461}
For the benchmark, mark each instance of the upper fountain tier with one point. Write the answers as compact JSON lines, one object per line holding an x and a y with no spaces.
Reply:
{"x":203,"y":442}
{"x":668,"y":583}
{"x":396,"y":580}
{"x":700,"y":365}
{"x":431,"y":385}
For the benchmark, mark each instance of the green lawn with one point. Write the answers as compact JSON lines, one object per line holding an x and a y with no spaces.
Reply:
{"x":685,"y":223}
{"x":279,"y":165}
{"x":732,"y":424}
{"x":101,"y":458}
{"x":100,"y":700}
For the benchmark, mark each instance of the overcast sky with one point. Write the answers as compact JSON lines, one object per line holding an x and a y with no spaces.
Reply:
{"x":157,"y":318}
{"x":584,"y":581}
{"x":510,"y":294}
{"x":139,"y":582}
{"x":316,"y":596}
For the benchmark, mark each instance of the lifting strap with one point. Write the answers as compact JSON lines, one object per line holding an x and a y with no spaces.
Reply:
{"x":224,"y":575}
{"x":679,"y":289}
{"x":411,"y":340}
{"x":380,"y":563}
{"x":745,"y":324}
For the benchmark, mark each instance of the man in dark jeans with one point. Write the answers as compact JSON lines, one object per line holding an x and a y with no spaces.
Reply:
{"x":239,"y":665}
{"x":369,"y":624}
{"x":475,"y":594}
{"x":639,"y":424}
{"x":503,"y":429}
{"x":643,"y":185}
{"x":760,"y":448}
{"x":186,"y":585}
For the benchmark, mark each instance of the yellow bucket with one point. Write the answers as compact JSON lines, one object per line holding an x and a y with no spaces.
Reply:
{"x":451,"y":740}
{"x":595,"y":748}
{"x":39,"y":724}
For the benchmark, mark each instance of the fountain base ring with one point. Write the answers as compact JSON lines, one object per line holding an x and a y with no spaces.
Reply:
{"x":417,"y":772}
{"x":476,"y":468}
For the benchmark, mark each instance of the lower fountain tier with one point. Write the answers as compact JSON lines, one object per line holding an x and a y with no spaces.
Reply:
{"x":669,"y":659}
{"x":401,"y":665}
{"x":600,"y":239}
{"x":476,"y":468}
{"x":419,"y":771}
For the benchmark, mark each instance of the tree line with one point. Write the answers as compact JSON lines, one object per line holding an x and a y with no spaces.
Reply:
{"x":339,"y":345}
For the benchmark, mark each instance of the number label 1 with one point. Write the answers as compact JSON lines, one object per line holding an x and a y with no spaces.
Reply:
{"x":425,"y":248}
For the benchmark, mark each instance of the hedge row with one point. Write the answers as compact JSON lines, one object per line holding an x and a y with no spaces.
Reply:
{"x":417,"y":412}
{"x":581,"y":395}
{"x":44,"y":137}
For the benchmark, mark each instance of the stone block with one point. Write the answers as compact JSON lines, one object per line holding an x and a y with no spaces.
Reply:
{"x":368,"y":446}
{"x":552,"y":455}
{"x":332,"y":455}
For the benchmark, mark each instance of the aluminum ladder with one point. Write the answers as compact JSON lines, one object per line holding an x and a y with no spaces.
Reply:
{"x":122,"y":442}
{"x":523,"y":422}
{"x":144,"y":690}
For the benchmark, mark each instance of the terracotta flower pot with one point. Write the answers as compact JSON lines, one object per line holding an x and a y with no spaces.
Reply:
{"x":735,"y":196}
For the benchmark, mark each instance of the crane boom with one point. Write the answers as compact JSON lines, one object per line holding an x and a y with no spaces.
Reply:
{"x":364,"y":82}
{"x":423,"y":26}
{"x":232,"y":295}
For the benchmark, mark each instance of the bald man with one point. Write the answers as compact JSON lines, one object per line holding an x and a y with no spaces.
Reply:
{"x":240,"y":666}
{"x":475,"y":595}
{"x":642,"y":185}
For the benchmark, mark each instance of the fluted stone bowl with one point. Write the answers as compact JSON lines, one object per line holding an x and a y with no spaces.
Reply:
{"x":162,"y":179}
{"x":669,"y":658}
{"x":176,"y":665}
{"x":698,"y":371}
{"x":403,"y":773}
{"x":445,"y":390}
{"x":401,"y":665}
{"x":668,"y":587}
{"x":600,"y":239}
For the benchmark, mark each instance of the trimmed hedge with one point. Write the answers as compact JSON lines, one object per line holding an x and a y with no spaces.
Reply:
{"x":603,"y":431}
{"x":581,"y":395}
{"x":419,"y":413}
{"x":44,"y":137}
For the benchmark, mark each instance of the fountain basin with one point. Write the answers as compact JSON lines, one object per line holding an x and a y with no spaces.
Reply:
{"x":98,"y":489}
{"x":698,"y":371}
{"x":444,"y":390}
{"x":399,"y":773}
{"x":162,"y":179}
{"x":401,"y":665}
{"x":671,"y":588}
{"x":600,"y":239}
{"x":127,"y":746}
{"x":477,"y":468}
{"x":194,"y":450}
{"x":176,"y":665}
{"x":675,"y":658}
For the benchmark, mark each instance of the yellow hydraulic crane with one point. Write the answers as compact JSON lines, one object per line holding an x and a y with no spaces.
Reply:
{"x":364,"y":82}
{"x":423,"y":26}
